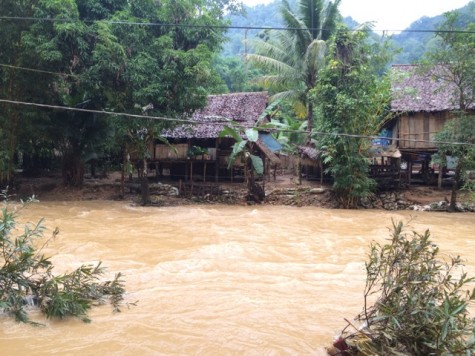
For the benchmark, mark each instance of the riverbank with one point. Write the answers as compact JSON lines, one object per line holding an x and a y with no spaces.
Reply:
{"x":284,"y":190}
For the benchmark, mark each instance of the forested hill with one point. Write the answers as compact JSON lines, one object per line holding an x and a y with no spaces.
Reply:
{"x":413,"y":41}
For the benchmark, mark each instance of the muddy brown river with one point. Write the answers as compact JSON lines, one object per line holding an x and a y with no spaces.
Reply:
{"x":218,"y":280}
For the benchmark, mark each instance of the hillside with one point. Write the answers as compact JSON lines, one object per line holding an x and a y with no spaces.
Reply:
{"x":412,"y":42}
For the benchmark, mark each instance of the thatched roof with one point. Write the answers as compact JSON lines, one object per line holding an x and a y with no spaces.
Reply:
{"x":414,"y":91}
{"x":309,"y":152}
{"x":243,"y":108}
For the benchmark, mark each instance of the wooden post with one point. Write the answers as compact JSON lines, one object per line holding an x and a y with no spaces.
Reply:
{"x":191,"y":170}
{"x":216,"y":173}
{"x":320,"y":166}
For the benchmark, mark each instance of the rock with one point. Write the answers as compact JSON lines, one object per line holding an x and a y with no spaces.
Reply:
{"x":317,"y":191}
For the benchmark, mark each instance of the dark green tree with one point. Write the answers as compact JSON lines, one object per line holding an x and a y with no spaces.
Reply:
{"x":351,"y":98}
{"x":17,"y":84}
{"x":97,"y":55}
{"x":165,"y":70}
{"x":452,"y":64}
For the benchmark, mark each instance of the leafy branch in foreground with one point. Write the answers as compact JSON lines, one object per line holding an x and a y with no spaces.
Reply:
{"x":26,"y":278}
{"x":421,"y":303}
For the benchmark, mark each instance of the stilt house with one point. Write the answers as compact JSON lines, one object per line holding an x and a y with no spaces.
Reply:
{"x":421,"y":105}
{"x":198,"y":153}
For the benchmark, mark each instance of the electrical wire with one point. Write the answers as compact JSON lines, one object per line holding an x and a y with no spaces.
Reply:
{"x":231,"y":123}
{"x":220,"y":27}
{"x":132,"y":23}
{"x":38,"y":70}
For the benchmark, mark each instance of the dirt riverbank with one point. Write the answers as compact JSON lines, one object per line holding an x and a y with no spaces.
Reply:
{"x":284,"y":190}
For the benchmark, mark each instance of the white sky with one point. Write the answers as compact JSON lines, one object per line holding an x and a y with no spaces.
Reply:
{"x":390,"y":14}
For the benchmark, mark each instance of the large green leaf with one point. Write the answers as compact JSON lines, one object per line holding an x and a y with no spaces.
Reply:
{"x":252,"y":135}
{"x":238,"y":148}
{"x":257,"y":164}
{"x":230,"y":131}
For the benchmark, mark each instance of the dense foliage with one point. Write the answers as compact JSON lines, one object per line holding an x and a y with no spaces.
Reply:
{"x":98,"y":55}
{"x":452,"y":64}
{"x":351,"y":100}
{"x":294,"y":58}
{"x":421,"y":302}
{"x":27,"y":279}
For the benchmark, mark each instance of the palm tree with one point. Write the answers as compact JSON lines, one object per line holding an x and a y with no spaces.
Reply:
{"x":295,"y":56}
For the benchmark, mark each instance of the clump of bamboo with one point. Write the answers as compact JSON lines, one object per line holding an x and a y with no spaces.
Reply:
{"x":27,"y":279}
{"x":421,"y":302}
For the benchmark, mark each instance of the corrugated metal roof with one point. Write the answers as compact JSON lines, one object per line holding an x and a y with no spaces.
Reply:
{"x":270,"y":141}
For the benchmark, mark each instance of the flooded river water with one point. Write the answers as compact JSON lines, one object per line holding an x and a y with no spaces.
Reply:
{"x":218,"y":280}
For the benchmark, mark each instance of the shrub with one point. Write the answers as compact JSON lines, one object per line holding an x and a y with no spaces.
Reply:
{"x":421,"y":305}
{"x":26,"y":276}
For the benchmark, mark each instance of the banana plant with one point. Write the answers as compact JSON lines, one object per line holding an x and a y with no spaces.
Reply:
{"x":244,"y":147}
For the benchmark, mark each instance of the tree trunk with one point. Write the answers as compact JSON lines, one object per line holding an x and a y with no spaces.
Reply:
{"x":455,"y":185}
{"x":93,"y":168}
{"x":439,"y":177}
{"x":145,"y":189}
{"x":122,"y":175}
{"x":309,"y":122}
{"x":299,"y":170}
{"x":73,"y":169}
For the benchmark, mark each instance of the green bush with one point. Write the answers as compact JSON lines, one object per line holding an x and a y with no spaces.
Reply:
{"x":421,"y":302}
{"x":26,"y":276}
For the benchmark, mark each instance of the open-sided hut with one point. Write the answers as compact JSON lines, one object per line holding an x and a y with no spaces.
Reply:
{"x":197,"y":152}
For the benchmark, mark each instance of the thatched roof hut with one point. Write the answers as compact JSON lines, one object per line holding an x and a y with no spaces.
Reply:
{"x":422,"y":103}
{"x":203,"y":132}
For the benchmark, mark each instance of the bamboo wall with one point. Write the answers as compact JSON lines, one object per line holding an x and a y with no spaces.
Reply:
{"x":420,"y":126}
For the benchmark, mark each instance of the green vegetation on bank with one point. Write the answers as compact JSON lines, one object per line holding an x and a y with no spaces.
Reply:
{"x":415,"y":302}
{"x":159,"y":61}
{"x":27,"y":279}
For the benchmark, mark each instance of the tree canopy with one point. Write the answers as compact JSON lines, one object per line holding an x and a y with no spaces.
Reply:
{"x":294,"y":57}
{"x":351,"y":101}
{"x":454,"y":63}
{"x":99,"y":55}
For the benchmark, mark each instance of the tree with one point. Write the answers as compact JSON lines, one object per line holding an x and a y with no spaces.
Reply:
{"x":165,"y":71}
{"x":93,"y":59}
{"x":452,"y":64}
{"x":17,"y":84}
{"x":236,"y":75}
{"x":244,"y":149}
{"x":295,"y":57}
{"x":48,"y":62}
{"x":457,"y":138}
{"x":351,"y":99}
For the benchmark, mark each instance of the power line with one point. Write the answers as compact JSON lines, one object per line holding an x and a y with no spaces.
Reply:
{"x":37,"y":70}
{"x":220,"y":27}
{"x":68,"y":108}
{"x":231,"y":123}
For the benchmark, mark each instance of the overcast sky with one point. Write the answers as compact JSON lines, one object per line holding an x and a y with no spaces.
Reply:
{"x":390,"y":14}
